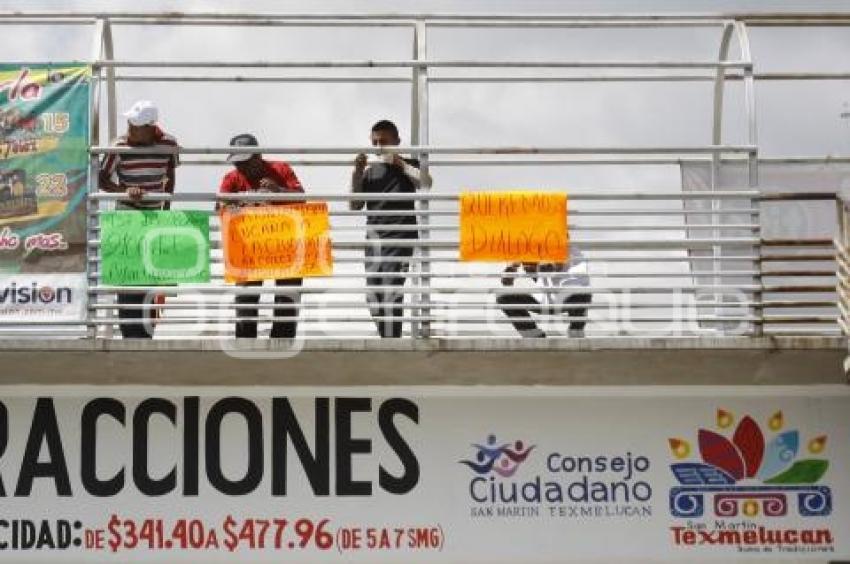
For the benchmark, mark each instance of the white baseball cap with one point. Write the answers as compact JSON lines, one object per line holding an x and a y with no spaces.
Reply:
{"x":143,"y":112}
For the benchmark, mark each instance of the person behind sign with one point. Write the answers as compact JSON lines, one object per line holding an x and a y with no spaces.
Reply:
{"x":252,"y":173}
{"x":137,"y":174}
{"x":557,"y":282}
{"x":385,"y":262}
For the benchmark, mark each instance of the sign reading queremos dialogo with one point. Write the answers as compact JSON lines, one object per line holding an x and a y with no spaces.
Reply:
{"x":423,"y":474}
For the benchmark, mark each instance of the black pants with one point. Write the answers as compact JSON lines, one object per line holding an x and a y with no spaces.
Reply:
{"x":522,"y":316}
{"x":141,"y":330}
{"x":387,"y":303}
{"x":280,"y":329}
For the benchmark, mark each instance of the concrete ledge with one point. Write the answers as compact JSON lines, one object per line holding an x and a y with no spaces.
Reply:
{"x":690,"y":361}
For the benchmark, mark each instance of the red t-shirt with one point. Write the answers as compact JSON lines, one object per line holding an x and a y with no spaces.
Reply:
{"x":283,"y":175}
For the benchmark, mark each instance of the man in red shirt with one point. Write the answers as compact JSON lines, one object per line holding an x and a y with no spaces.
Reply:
{"x":252,"y":173}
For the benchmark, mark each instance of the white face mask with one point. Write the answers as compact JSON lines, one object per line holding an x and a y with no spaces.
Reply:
{"x":386,"y":156}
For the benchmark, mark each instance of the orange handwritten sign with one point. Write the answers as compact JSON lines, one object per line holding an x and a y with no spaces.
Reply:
{"x":276,"y":242}
{"x":513,"y":226}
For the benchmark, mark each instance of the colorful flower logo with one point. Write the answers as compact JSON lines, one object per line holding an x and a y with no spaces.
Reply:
{"x":503,"y":459}
{"x":745,"y":473}
{"x":748,"y":456}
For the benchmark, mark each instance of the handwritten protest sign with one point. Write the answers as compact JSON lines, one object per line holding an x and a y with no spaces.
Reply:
{"x":154,"y":247}
{"x":513,"y":226}
{"x":276,"y":242}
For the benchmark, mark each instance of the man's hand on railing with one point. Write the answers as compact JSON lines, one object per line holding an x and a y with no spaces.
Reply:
{"x":228,"y":205}
{"x":135,"y":193}
{"x":268,"y":185}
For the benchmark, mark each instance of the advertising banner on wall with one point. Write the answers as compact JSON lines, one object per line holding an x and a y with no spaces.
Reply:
{"x":44,"y":168}
{"x":424,"y":474}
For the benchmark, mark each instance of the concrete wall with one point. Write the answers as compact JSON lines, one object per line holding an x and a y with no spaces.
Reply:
{"x":727,"y":361}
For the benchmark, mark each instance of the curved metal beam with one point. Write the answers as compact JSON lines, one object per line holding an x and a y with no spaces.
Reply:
{"x":740,"y":31}
{"x":720,"y":84}
{"x":749,"y":99}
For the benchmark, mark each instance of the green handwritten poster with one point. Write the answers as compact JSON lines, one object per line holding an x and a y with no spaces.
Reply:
{"x":152,"y":248}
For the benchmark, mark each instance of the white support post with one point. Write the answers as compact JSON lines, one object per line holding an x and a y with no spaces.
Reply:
{"x":103,"y":50}
{"x":752,"y":159}
{"x":717,"y":133}
{"x":419,"y":136}
{"x":91,"y":206}
{"x":111,"y":98}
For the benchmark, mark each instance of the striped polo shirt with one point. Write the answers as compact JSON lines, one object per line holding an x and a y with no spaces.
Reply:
{"x":148,"y":171}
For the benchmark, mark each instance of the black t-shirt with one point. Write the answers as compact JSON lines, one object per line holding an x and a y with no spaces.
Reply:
{"x":380,"y":178}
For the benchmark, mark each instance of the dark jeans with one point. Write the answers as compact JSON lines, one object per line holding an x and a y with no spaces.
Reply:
{"x":522,"y":316}
{"x":387,"y":302}
{"x":280,"y":329}
{"x":141,"y":330}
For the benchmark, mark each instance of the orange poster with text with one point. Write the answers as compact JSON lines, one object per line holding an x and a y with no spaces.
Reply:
{"x":513,"y":226}
{"x":276,"y":242}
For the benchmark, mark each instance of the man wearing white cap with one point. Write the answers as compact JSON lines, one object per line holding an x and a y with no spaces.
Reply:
{"x":137,"y":174}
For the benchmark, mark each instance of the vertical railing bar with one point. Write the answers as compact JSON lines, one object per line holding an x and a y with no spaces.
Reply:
{"x":111,"y":97}
{"x":415,"y":299}
{"x":842,"y":238}
{"x":717,"y":133}
{"x":111,"y":126}
{"x":752,"y":156}
{"x":421,"y":78}
{"x":90,"y":205}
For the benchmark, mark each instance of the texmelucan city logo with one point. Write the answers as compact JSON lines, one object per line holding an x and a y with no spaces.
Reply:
{"x":751,"y":491}
{"x":515,"y":479}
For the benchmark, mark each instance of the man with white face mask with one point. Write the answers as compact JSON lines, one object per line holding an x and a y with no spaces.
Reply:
{"x":385,"y":262}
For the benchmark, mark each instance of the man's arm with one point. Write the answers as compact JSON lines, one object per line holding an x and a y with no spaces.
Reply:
{"x":420,"y":178}
{"x":290,"y":180}
{"x":425,"y":179}
{"x":227,"y":186}
{"x":107,"y":169}
{"x":168,"y":188}
{"x":106,"y":184}
{"x":357,"y":182}
{"x":285,"y":181}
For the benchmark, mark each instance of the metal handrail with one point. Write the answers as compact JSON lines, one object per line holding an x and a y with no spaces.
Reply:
{"x":731,"y":240}
{"x":433,"y":150}
{"x":760,"y":306}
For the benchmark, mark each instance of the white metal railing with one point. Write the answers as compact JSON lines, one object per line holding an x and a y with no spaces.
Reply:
{"x":842,"y":252}
{"x":642,"y":283}
{"x":641,"y":245}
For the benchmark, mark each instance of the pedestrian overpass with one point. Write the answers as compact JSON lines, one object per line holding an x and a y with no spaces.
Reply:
{"x":704,"y":291}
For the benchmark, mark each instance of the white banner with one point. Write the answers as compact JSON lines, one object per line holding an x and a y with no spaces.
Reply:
{"x":423,"y":474}
{"x":43,"y":297}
